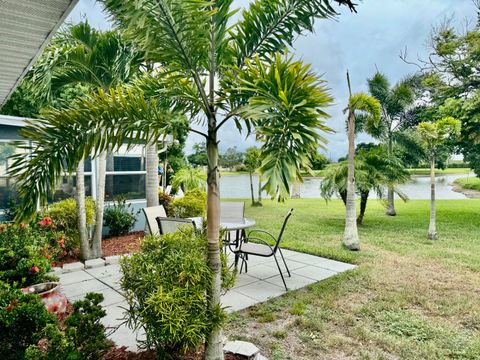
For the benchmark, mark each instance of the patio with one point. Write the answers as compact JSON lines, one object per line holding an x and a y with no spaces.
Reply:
{"x":260,"y":284}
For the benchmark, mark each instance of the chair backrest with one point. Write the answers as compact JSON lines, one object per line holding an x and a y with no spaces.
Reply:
{"x":277,"y":244}
{"x":151,"y":214}
{"x":232,"y":211}
{"x":171,"y":225}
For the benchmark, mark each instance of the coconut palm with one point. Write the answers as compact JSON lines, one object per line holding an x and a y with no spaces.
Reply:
{"x":214,"y":70}
{"x":82,"y":54}
{"x":395,"y":102}
{"x":369,"y":109}
{"x":434,"y":136}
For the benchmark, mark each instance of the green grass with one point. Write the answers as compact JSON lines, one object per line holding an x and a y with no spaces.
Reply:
{"x":440,"y":172}
{"x":470,"y":183}
{"x":410,"y":298}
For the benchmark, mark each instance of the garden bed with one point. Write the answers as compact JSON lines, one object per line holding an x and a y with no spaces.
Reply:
{"x":112,"y":245}
{"x":122,"y":353}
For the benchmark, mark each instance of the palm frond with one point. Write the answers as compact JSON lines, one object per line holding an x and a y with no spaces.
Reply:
{"x":285,"y":102}
{"x":91,"y":125}
{"x":268,"y":26}
{"x":178,"y":30}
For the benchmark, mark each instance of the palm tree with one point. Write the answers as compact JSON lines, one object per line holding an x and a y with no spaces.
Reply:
{"x":81,"y":54}
{"x":214,"y":71}
{"x":252,"y":163}
{"x":368,"y":107}
{"x":189,"y":179}
{"x":434,"y":136}
{"x":395,"y":102}
{"x":372,"y":173}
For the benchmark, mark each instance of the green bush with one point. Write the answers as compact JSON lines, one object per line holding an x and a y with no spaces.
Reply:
{"x":22,"y":320}
{"x":64,"y":215}
{"x":119,"y":218}
{"x":165,"y":289}
{"x":26,"y":252}
{"x":193,"y":204}
{"x":83,"y":337}
{"x":165,"y":200}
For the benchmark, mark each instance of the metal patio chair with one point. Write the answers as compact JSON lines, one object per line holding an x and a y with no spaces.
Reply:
{"x":171,"y":225}
{"x":256,"y":246}
{"x":151,"y":214}
{"x":232,"y":212}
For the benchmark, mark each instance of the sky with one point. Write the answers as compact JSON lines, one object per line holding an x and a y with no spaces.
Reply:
{"x":360,"y":43}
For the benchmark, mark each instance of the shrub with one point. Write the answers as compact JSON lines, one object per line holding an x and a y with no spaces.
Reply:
{"x":64,"y":215}
{"x":165,"y":200}
{"x":26,"y":252}
{"x":193,"y":204}
{"x":120,"y":218}
{"x":165,"y":289}
{"x":22,"y":319}
{"x":83,"y":337}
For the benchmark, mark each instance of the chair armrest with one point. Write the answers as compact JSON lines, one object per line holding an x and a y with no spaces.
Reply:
{"x":262,"y":232}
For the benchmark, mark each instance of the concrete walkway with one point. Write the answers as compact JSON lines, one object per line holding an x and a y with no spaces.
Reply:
{"x":262,"y":282}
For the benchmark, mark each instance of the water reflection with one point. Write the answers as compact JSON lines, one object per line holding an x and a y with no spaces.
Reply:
{"x":238,"y":186}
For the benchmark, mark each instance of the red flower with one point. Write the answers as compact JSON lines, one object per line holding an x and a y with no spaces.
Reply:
{"x":61,"y":242}
{"x":46,"y":221}
{"x":34,"y":269}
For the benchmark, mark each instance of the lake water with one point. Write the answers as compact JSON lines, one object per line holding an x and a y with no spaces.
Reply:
{"x":238,"y":187}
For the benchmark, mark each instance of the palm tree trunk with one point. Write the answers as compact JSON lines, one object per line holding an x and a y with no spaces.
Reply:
{"x":259,"y":201}
{"x":100,"y":204}
{"x":343,"y":196}
{"x":432,"y":228}
{"x":350,"y":237}
{"x":152,"y":174}
{"x":363,"y":206}
{"x":251,"y":189}
{"x":390,"y":193}
{"x":214,"y":345}
{"x":85,"y":252}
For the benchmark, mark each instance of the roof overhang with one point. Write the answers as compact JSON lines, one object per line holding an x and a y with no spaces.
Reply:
{"x":13,"y":120}
{"x":26,"y":27}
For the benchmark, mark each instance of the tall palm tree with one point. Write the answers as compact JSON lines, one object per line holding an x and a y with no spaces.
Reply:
{"x":82,"y":54}
{"x":368,"y":107}
{"x":395,"y":102}
{"x":214,"y":71}
{"x":435,"y":135}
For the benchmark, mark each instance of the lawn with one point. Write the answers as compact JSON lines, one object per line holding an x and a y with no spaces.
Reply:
{"x":470,"y":183}
{"x":440,"y":171}
{"x":410,"y":298}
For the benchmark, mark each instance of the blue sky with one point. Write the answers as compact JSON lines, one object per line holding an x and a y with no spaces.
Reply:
{"x":358,"y":42}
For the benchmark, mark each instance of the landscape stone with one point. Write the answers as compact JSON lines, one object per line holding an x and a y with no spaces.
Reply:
{"x":76,"y":266}
{"x":242,"y":348}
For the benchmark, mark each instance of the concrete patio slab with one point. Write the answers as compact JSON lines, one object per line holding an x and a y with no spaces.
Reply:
{"x":314,"y":272}
{"x":261,"y":283}
{"x":261,"y":290}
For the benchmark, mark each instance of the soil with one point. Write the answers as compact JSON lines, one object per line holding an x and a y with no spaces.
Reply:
{"x":122,"y":353}
{"x":112,"y":245}
{"x":471,"y":194}
{"x":119,"y":245}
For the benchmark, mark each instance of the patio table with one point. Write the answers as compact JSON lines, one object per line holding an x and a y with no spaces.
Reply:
{"x":239,"y":226}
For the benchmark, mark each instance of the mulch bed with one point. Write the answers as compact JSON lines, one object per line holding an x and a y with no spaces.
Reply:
{"x":119,"y":245}
{"x":122,"y":353}
{"x":112,"y":245}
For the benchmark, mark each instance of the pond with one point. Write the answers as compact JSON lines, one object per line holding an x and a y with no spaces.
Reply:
{"x":238,"y":187}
